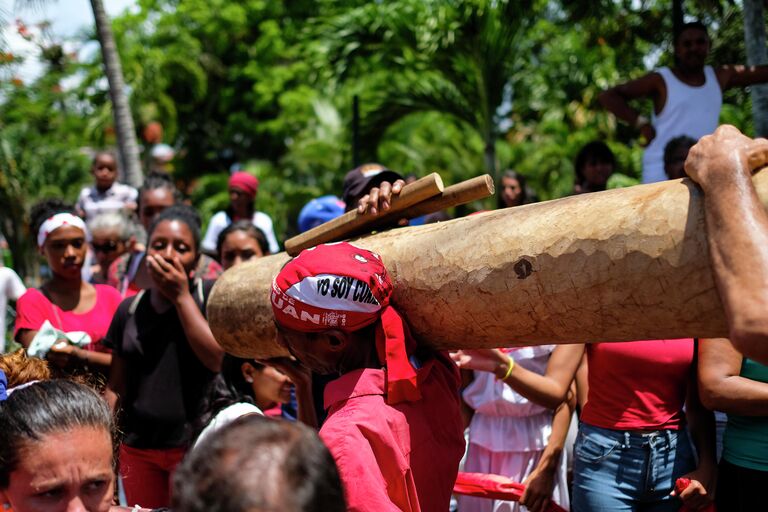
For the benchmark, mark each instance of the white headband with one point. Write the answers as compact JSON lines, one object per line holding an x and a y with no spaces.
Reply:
{"x":51,"y":224}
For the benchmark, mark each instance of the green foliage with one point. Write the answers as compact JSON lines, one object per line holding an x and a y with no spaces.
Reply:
{"x":460,"y":87}
{"x":40,"y":151}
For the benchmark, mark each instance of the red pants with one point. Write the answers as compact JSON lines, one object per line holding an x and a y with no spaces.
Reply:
{"x":147,"y":475}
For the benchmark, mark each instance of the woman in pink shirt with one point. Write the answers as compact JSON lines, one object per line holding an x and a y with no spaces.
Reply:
{"x":633,"y":443}
{"x":66,"y":301}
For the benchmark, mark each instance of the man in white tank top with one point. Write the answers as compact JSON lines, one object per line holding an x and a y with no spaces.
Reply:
{"x":686,"y":98}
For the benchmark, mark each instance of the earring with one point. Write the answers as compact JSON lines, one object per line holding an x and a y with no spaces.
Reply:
{"x":249,"y":380}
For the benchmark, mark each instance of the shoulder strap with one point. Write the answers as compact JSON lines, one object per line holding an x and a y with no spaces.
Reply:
{"x":135,"y":303}
{"x":200,"y":294}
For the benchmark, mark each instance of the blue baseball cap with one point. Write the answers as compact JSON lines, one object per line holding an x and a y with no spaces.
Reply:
{"x":319,"y":211}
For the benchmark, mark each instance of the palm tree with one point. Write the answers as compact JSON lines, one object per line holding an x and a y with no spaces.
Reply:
{"x":458,"y":58}
{"x":124,"y":127}
{"x":121,"y":111}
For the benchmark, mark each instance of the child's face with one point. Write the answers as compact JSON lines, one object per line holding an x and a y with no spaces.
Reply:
{"x":597,"y":172}
{"x":104,"y":170}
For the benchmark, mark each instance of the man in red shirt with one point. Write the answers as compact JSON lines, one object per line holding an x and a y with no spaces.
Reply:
{"x":393,"y":424}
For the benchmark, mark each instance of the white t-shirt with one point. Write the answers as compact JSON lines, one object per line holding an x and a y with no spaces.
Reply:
{"x":221,"y":220}
{"x":11,"y":288}
{"x":226,"y":416}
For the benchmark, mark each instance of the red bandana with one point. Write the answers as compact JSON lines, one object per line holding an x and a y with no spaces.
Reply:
{"x":339,"y":286}
{"x":246,"y":183}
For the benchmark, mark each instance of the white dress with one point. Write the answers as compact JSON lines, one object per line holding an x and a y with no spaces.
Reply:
{"x":508,"y":433}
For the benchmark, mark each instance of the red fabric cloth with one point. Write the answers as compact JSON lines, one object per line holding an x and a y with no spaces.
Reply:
{"x":147,"y":475}
{"x":245,"y":182}
{"x":33,"y":309}
{"x":680,"y":485}
{"x":494,"y":487}
{"x":401,"y":457}
{"x":340,"y":286}
{"x":640,"y":385}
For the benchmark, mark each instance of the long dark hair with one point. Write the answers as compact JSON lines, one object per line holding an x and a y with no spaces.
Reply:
{"x":247,"y":227}
{"x":596,"y":150}
{"x":45,"y":407}
{"x":509,"y":173}
{"x":227,"y":388}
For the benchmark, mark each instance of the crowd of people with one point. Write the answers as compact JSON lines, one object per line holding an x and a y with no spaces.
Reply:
{"x":120,"y":393}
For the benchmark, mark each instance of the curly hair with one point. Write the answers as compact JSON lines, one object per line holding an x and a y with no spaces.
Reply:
{"x":45,"y":209}
{"x":19,"y":368}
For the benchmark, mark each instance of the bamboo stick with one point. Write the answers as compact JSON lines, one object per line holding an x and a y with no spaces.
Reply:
{"x":351,"y":222}
{"x":467,"y":191}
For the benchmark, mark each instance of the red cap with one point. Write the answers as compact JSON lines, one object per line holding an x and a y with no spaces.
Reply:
{"x":340,"y":286}
{"x":245,"y":182}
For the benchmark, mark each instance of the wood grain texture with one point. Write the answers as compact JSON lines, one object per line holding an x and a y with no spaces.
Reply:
{"x":619,"y":265}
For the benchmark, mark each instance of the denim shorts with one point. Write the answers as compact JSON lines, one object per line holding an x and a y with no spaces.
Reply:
{"x":616,"y":470}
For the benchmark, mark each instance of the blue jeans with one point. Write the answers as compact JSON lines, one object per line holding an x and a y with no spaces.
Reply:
{"x":622,"y":471}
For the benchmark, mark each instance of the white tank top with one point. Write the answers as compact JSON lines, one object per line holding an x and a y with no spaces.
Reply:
{"x":689,"y":110}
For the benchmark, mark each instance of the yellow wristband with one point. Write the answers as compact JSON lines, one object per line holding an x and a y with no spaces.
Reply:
{"x":510,"y":366}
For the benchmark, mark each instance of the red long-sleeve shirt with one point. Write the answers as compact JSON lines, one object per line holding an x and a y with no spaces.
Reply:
{"x":396,"y":457}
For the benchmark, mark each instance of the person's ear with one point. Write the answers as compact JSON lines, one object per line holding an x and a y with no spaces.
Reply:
{"x":248,"y":372}
{"x":336,"y":341}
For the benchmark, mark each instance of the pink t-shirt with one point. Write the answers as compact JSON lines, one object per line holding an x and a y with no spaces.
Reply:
{"x":34,"y":308}
{"x":640,"y":385}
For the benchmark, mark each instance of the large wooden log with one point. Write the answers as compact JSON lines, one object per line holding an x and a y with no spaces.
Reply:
{"x":618,"y":265}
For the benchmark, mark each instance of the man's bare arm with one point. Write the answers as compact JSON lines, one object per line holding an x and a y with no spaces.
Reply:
{"x":616,"y":100}
{"x":737,"y":232}
{"x":736,"y":75}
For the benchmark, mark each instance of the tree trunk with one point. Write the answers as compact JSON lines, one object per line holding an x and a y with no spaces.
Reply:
{"x":678,"y":16}
{"x":757,"y":53}
{"x":620,"y":265}
{"x":489,"y":159}
{"x":121,"y":111}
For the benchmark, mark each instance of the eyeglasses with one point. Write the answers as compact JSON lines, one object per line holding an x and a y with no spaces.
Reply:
{"x":110,"y":246}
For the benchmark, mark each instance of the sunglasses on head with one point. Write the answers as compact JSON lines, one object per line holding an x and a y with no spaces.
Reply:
{"x":105,"y":247}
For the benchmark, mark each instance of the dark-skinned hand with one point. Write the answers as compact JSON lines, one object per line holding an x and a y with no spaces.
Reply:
{"x":170,"y":278}
{"x":379,"y":199}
